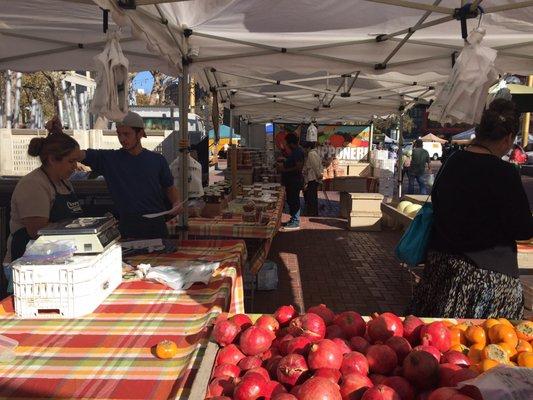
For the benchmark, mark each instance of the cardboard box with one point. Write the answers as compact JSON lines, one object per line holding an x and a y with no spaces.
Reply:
{"x":359,"y":202}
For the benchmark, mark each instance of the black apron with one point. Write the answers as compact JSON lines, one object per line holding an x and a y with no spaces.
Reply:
{"x":65,"y":206}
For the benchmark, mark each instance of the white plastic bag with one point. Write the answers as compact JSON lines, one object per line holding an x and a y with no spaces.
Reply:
{"x":53,"y":251}
{"x":195,"y":176}
{"x":181,"y":275}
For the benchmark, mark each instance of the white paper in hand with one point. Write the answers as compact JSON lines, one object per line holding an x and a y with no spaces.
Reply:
{"x":173,"y":210}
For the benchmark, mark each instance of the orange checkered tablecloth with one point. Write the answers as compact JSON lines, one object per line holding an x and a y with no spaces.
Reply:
{"x":108,"y":354}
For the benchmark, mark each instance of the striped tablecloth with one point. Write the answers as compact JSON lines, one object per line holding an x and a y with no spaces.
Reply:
{"x":108,"y":354}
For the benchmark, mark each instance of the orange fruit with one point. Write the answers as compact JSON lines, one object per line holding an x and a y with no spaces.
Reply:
{"x":525,"y":359}
{"x":463,"y":326}
{"x":523,"y":346}
{"x":485,"y":365}
{"x":476,"y":368}
{"x":457,"y":336}
{"x":511,"y":350}
{"x":489,"y":323}
{"x":475,"y":352}
{"x":505,"y":322}
{"x":460,"y":347}
{"x":476,"y":335}
{"x":503,"y":333}
{"x":447,"y":323}
{"x":494,"y":352}
{"x":166,"y":349}
{"x":524,"y":330}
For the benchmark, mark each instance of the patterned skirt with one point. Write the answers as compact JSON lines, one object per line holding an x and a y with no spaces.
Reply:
{"x":452,"y":287}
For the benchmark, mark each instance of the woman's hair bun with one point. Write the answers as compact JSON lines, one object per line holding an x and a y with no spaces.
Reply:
{"x":499,"y":120}
{"x":36,"y":145}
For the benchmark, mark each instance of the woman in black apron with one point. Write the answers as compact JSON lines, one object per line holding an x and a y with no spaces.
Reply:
{"x":59,"y":154}
{"x":65,"y":206}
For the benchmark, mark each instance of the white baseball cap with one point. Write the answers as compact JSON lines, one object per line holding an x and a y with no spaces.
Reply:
{"x":132,"y":120}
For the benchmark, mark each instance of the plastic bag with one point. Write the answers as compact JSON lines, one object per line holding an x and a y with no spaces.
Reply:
{"x":501,"y":383}
{"x":53,"y":251}
{"x":412,"y":247}
{"x":177,"y":276}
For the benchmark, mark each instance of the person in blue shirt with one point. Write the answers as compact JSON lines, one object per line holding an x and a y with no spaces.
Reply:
{"x":292,"y":179}
{"x":139,"y":180}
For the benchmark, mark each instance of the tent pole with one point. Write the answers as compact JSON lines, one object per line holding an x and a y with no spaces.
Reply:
{"x":184,"y":144}
{"x":416,"y":6}
{"x":370,"y":139}
{"x":7,"y":107}
{"x":399,"y":162}
{"x":16,"y":113}
{"x":527,"y":119}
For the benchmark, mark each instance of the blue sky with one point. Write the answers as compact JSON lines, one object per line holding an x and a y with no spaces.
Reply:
{"x":144,"y":80}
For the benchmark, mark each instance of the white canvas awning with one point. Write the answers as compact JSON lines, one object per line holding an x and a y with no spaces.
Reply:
{"x":275,"y":59}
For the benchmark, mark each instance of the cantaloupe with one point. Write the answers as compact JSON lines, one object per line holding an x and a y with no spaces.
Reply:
{"x":402,"y":205}
{"x":412,"y":210}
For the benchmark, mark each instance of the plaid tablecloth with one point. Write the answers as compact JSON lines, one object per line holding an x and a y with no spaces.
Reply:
{"x":108,"y":354}
{"x":236,"y":228}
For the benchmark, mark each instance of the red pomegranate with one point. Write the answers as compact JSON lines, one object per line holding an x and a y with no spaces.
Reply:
{"x":220,"y":398}
{"x":225,"y":332}
{"x":429,"y":349}
{"x":343,"y":345}
{"x":308,"y":325}
{"x":354,"y":362}
{"x":259,"y":371}
{"x":284,"y":396}
{"x":421,"y":369}
{"x":455,"y":357}
{"x":273,"y":351}
{"x":377,"y":378}
{"x":318,"y":388}
{"x":446,"y":372}
{"x":299,"y":345}
{"x":334,"y":331}
{"x":285,"y":314}
{"x":411,"y":329}
{"x":360,"y":344}
{"x":243,"y":321}
{"x":296,"y":390}
{"x":255,"y":340}
{"x":291,"y":369}
{"x":324,"y":312}
{"x":221,"y":387}
{"x":273,"y":388}
{"x":381,"y":359}
{"x":436,"y":334}
{"x":269,"y":323}
{"x":271,"y":365}
{"x":384,"y":326}
{"x":400,"y":345}
{"x":354,"y":385}
{"x":461,"y":375}
{"x":332,"y":374}
{"x":351,"y":323}
{"x":229,"y":355}
{"x":283,"y":344}
{"x":226,"y":370}
{"x":381,"y":392}
{"x":250,"y":362}
{"x":250,"y":388}
{"x":401,"y":386}
{"x":443,"y":393}
{"x":324,"y":354}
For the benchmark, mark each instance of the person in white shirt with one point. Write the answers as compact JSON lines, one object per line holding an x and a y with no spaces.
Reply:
{"x":312,"y":172}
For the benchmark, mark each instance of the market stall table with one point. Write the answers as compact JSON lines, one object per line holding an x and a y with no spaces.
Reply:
{"x":258,"y":237}
{"x":109,"y":353}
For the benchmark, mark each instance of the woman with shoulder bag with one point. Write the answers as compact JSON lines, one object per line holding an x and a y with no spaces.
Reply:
{"x":480,"y":209}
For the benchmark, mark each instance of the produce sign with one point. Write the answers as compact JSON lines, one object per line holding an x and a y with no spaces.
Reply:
{"x":341,"y":142}
{"x":321,"y":355}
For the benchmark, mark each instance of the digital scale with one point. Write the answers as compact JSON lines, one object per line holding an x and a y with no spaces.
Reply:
{"x":92,"y":235}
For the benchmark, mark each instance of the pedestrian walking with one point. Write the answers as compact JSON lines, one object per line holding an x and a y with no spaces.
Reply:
{"x":420,"y":165}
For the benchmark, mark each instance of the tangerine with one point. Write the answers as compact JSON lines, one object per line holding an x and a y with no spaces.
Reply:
{"x":460,"y":347}
{"x":476,"y":335}
{"x":485,"y":365}
{"x":511,"y":351}
{"x":525,"y":359}
{"x":494,"y":352}
{"x":475,"y":352}
{"x":503,"y":333}
{"x":505,"y":321}
{"x":166,"y":349}
{"x":524,"y":330}
{"x":489,"y":323}
{"x":457,"y":336}
{"x":523,"y":346}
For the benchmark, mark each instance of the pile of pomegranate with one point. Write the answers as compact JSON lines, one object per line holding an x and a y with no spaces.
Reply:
{"x":323,"y":356}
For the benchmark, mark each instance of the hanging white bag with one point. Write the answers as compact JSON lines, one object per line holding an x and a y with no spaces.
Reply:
{"x":112,"y":84}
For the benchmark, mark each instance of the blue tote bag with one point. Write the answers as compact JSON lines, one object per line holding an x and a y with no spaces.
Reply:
{"x":413,"y":245}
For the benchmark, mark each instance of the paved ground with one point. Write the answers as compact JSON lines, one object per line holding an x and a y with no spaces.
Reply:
{"x":325,"y":263}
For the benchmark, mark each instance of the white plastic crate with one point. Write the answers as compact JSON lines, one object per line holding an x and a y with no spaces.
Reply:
{"x":66,"y":290}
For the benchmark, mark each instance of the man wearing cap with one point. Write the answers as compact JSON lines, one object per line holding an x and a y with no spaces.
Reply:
{"x":139,"y":180}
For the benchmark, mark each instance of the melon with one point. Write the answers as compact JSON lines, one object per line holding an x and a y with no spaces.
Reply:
{"x":412,"y":210}
{"x":403,"y":205}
